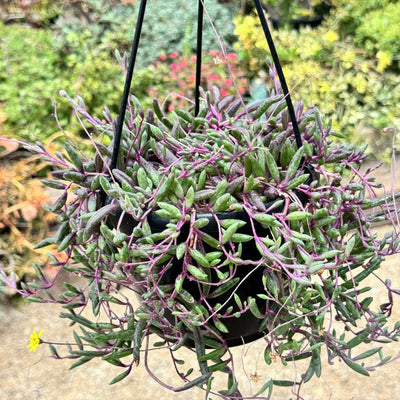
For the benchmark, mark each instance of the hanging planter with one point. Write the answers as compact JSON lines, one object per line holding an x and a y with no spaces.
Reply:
{"x":230,"y":222}
{"x":225,"y":226}
{"x":227,"y":123}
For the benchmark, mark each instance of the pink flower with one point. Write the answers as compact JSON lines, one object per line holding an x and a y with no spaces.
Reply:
{"x":163,"y":57}
{"x":232,"y":56}
{"x":191,"y":78}
{"x":174,"y":67}
{"x":214,"y":53}
{"x":182,"y":83}
{"x":182,"y":64}
{"x":224,"y":92}
{"x":228,"y":82}
{"x":214,"y":77}
{"x":241,"y":90}
{"x":174,"y":54}
{"x":193,"y":59}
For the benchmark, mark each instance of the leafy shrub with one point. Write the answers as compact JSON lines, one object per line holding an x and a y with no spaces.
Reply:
{"x":379,"y":32}
{"x":166,"y":28}
{"x":29,"y":81}
{"x":78,"y":56}
{"x":374,"y":27}
{"x":174,"y":27}
{"x":339,"y":78}
{"x":32,"y":73}
{"x":350,"y":13}
{"x":92,"y":25}
{"x":288,"y":11}
{"x":34,"y":12}
{"x":96,"y":77}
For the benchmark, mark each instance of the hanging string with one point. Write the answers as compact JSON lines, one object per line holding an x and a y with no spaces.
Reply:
{"x":127,"y":86}
{"x":129,"y":74}
{"x":279,"y":71}
{"x":198,"y":56}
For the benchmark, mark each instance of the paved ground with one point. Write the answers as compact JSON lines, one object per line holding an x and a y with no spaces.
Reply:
{"x":36,"y":376}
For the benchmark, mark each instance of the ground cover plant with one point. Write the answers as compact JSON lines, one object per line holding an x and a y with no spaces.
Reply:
{"x":354,"y":87}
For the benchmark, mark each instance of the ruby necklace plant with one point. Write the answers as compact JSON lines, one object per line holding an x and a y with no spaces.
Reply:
{"x":218,"y":226}
{"x":305,"y":213}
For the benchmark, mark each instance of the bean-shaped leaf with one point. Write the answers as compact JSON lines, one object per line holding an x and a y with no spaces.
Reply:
{"x":66,"y":242}
{"x":203,"y":194}
{"x":199,"y":257}
{"x":265,"y":104}
{"x":137,"y":339}
{"x":60,"y":202}
{"x":201,"y":223}
{"x":173,"y":211}
{"x":254,"y":308}
{"x":121,"y":376}
{"x":224,"y":287}
{"x":220,"y":190}
{"x":367,"y":353}
{"x":294,"y":164}
{"x":358,"y":339}
{"x":221,"y":326}
{"x":74,"y":155}
{"x":283,"y":383}
{"x":241,"y":237}
{"x":189,"y":198}
{"x":268,"y":385}
{"x":222,"y":203}
{"x":296,"y":182}
{"x":54,"y":184}
{"x":197,"y":273}
{"x":272,"y":165}
{"x":180,"y":250}
{"x":179,"y":283}
{"x":298,"y":216}
{"x":227,"y":235}
{"x":266,"y":219}
{"x":44,"y":243}
{"x":356,"y":367}
{"x":96,"y":218}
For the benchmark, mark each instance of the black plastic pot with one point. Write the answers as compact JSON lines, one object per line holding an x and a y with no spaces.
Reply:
{"x":247,"y":327}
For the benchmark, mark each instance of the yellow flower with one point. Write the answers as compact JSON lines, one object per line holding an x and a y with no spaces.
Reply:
{"x":330,"y":36}
{"x":35,"y":340}
{"x":384,"y":59}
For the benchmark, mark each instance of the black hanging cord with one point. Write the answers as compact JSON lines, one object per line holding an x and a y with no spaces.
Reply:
{"x":279,"y":71}
{"x":198,"y":56}
{"x":135,"y":45}
{"x":127,"y":87}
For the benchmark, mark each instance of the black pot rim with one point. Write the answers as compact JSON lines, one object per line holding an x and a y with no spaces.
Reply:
{"x":158,"y":223}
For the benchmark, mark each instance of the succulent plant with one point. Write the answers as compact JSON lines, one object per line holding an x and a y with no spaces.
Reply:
{"x":215,"y":222}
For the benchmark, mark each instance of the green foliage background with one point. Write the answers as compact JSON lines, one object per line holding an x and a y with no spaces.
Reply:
{"x":348,"y":66}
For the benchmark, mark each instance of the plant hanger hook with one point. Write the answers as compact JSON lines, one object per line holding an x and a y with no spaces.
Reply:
{"x":279,"y":71}
{"x":132,"y":60}
{"x":127,"y":86}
